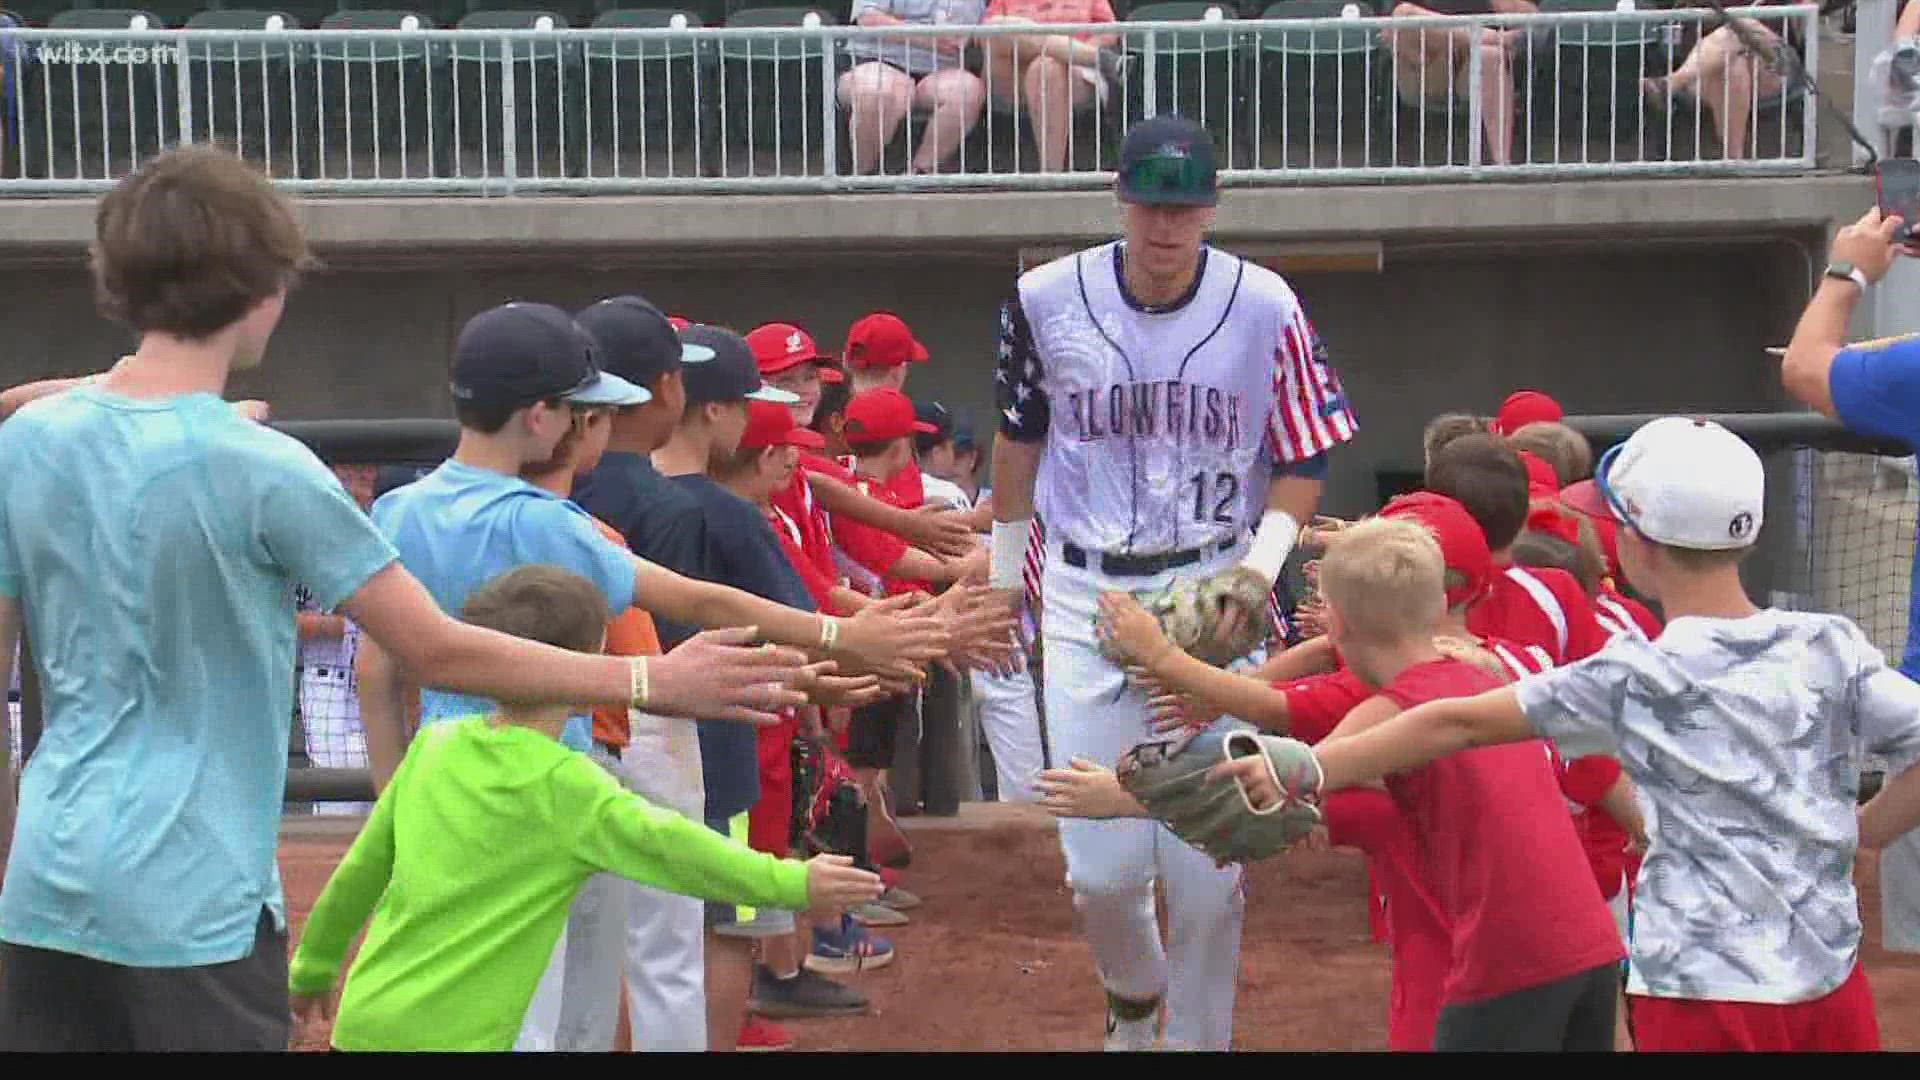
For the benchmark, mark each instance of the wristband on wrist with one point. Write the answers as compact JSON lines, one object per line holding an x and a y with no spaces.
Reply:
{"x":1272,"y":543}
{"x":640,"y":689}
{"x":829,"y":631}
{"x":1007,"y":557}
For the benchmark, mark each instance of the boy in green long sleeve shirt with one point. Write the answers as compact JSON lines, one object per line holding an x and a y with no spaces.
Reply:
{"x":477,"y":847}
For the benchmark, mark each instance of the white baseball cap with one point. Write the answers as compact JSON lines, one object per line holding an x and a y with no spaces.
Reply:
{"x":1686,"y":483}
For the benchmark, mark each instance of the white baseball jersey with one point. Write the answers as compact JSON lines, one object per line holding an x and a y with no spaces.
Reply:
{"x":1162,"y":424}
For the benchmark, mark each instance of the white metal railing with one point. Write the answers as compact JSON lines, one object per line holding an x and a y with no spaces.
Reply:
{"x":1334,"y":97}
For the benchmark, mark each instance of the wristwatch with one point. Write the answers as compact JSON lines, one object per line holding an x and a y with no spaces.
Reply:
{"x":1846,"y":271}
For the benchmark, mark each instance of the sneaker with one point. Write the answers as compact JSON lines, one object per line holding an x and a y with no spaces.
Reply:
{"x":759,"y":1036}
{"x":847,"y":948}
{"x":1132,"y":1025}
{"x":899,"y":899}
{"x":805,"y":994}
{"x":876,"y":914}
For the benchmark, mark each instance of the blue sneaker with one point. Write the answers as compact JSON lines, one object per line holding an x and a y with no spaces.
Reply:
{"x":847,"y":948}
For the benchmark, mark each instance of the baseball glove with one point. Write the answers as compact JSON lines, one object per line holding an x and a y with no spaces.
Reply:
{"x":1190,"y":610}
{"x":1168,"y":778}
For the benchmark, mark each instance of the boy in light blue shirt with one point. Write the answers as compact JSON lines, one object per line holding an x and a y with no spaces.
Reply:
{"x":152,"y":538}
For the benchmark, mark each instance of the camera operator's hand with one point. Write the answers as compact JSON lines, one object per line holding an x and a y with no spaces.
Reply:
{"x":1868,"y":244}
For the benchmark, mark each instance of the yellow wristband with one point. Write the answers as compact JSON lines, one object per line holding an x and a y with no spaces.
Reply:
{"x":640,"y":690}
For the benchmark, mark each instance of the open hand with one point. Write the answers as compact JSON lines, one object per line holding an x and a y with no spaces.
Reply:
{"x":851,"y":691}
{"x":1085,"y":790}
{"x":1131,"y":630}
{"x":946,"y":533}
{"x":311,"y":1015}
{"x":1176,"y":712}
{"x":718,"y":675}
{"x":892,"y":631}
{"x":834,"y":884}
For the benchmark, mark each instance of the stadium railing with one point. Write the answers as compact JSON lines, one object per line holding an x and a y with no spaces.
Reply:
{"x":1294,"y":91}
{"x":1838,"y":534}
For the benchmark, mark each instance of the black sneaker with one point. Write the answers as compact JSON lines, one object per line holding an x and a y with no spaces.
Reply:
{"x":806,"y":994}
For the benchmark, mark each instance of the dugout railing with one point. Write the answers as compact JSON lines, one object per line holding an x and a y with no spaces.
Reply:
{"x":1838,"y":536}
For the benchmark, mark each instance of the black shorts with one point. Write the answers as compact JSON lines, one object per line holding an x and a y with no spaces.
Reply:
{"x":1575,"y":1013}
{"x":875,"y":729}
{"x":55,"y":1001}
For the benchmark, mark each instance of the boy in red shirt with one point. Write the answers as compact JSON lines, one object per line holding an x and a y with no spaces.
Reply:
{"x":1533,"y":606}
{"x":1535,"y":954}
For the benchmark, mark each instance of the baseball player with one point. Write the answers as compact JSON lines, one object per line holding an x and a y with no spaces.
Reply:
{"x":1167,"y":409}
{"x":329,"y":700}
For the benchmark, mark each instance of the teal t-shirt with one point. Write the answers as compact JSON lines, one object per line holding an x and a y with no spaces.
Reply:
{"x":459,"y":527}
{"x":155,"y":546}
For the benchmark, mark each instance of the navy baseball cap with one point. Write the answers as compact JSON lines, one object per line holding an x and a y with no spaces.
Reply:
{"x":637,"y":340}
{"x":728,"y":373}
{"x":932,"y":412}
{"x":521,"y":353}
{"x":963,"y":438}
{"x":1167,"y":160}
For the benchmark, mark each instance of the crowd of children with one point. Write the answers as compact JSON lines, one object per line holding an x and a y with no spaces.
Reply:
{"x":1504,"y":727}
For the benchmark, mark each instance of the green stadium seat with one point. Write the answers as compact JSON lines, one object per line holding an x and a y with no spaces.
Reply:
{"x":1196,"y":74}
{"x":573,"y":12}
{"x":772,"y":85}
{"x":1320,"y":87}
{"x":255,"y":96}
{"x":644,"y":97}
{"x":386,"y":105}
{"x":104,"y":117}
{"x":548,"y":95}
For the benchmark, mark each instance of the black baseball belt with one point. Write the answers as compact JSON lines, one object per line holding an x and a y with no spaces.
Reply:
{"x":1115,"y":564}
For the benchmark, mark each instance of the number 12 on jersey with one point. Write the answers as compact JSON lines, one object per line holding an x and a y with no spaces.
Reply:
{"x":1225,"y":487}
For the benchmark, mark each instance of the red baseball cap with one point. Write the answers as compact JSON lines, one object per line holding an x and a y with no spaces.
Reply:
{"x":1584,"y":498}
{"x":1463,"y":546}
{"x":883,"y":413}
{"x":772,"y":425}
{"x":830,"y":373}
{"x":1524,"y":407}
{"x":1541,"y":479}
{"x":678,"y":323}
{"x":778,"y":347}
{"x":882,"y":340}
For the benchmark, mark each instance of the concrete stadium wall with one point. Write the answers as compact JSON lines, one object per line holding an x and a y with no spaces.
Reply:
{"x":1621,"y":296}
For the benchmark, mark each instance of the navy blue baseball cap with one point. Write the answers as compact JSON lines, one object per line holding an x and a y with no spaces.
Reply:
{"x":520,"y":353}
{"x":729,"y":371}
{"x":637,"y":341}
{"x":1167,"y":160}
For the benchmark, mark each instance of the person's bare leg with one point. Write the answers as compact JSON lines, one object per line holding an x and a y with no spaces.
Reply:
{"x":782,"y":954}
{"x":1729,"y":89}
{"x":954,"y":99}
{"x":877,"y":98}
{"x":729,"y":981}
{"x":1049,"y":99}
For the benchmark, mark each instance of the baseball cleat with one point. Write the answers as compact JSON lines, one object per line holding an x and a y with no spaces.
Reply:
{"x":1132,"y":1025}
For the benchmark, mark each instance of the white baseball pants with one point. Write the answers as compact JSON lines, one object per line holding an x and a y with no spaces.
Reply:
{"x":666,"y":966}
{"x":576,"y":1007}
{"x":330,"y":716}
{"x":1112,"y":865}
{"x":1010,"y":718}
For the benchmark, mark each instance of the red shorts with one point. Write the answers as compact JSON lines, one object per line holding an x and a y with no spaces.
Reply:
{"x":1841,"y":1021}
{"x":770,"y":819}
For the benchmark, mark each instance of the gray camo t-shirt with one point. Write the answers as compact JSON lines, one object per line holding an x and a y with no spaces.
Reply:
{"x":1741,"y":732}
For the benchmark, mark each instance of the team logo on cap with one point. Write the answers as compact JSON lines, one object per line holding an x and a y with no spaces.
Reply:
{"x":1741,"y":526}
{"x":795,"y":342}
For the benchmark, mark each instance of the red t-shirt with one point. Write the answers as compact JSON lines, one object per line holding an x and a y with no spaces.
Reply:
{"x":1617,"y":611}
{"x":819,"y":584}
{"x":1505,"y":862}
{"x":1317,"y":703}
{"x":797,"y":502}
{"x":1539,"y":606}
{"x":1585,"y":781}
{"x":877,"y":550}
{"x":1416,"y":931}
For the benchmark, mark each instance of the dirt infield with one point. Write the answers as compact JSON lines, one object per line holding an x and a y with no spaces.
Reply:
{"x":991,"y":962}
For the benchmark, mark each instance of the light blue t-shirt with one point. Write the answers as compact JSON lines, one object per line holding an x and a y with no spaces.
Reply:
{"x":459,"y":527}
{"x":154,"y":545}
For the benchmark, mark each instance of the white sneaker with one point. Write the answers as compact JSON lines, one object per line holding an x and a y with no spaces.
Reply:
{"x":1127,"y":1030}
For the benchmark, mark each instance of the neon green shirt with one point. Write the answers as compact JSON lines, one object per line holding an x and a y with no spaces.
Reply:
{"x":472,"y":856}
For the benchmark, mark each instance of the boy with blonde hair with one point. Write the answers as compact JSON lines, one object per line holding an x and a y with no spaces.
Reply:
{"x":1739,"y":725}
{"x":478,"y":845}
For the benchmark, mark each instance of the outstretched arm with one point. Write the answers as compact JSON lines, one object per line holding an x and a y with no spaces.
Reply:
{"x":1138,"y":635}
